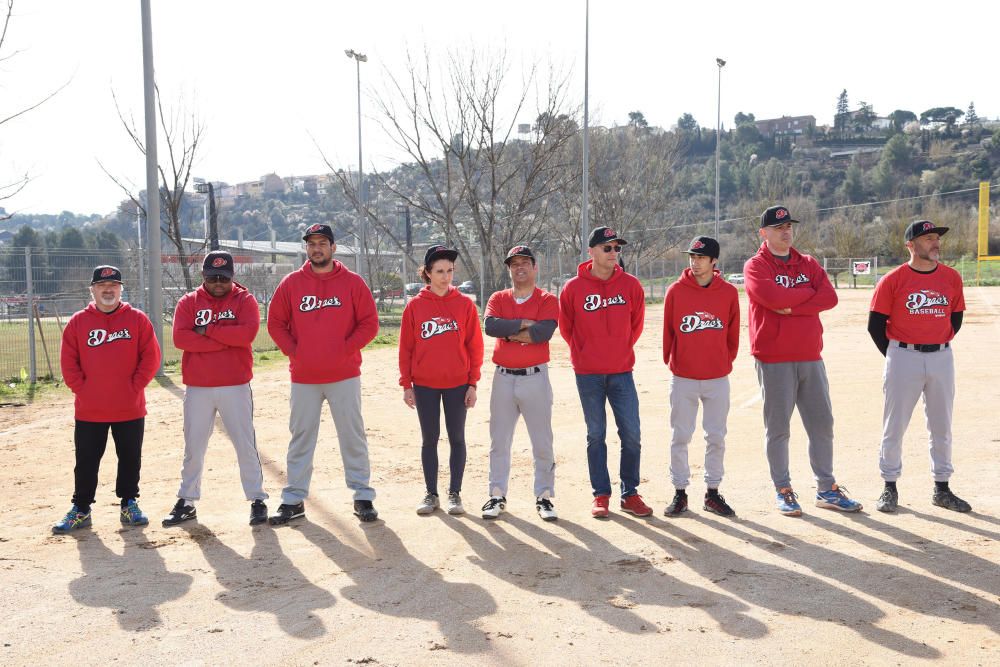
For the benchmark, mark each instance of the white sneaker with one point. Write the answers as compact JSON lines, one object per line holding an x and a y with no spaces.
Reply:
{"x":494,"y":507}
{"x":428,"y":504}
{"x":545,"y":509}
{"x":455,"y":503}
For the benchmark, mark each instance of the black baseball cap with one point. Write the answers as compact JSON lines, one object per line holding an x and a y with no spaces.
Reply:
{"x":436,"y":252}
{"x":106,"y":273}
{"x":774,"y":216}
{"x":218,"y":263}
{"x":921,"y":227}
{"x":519,"y":251}
{"x":605,"y":235}
{"x":323,"y":230}
{"x":705,"y":246}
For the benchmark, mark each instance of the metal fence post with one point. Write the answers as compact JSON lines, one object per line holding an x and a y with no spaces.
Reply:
{"x":32,"y":370}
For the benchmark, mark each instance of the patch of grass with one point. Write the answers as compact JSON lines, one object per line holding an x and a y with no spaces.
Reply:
{"x":17,"y":391}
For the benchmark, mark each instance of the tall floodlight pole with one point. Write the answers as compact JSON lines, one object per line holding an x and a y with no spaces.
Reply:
{"x":363,"y":222}
{"x":718,"y":140}
{"x":584,"y":213}
{"x":152,"y":184}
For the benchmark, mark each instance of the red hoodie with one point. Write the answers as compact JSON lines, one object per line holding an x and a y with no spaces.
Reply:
{"x":321,"y":321}
{"x":601,"y":320}
{"x":440,"y":341}
{"x":107,"y":360}
{"x":800,"y":284}
{"x":224,"y":355}
{"x":701,"y":327}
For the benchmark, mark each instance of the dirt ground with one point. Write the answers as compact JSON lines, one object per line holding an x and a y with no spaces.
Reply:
{"x":920,"y":585}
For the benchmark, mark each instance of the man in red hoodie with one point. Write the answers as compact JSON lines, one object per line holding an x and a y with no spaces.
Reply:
{"x":601,"y":314}
{"x":109,"y":354}
{"x":701,"y":336}
{"x":321,"y":316}
{"x":215,"y":326}
{"x":787,"y":292}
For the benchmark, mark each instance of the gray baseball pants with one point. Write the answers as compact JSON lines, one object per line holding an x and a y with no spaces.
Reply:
{"x":803,"y":385}
{"x":908,"y":374}
{"x":344,"y":399}
{"x":234,"y":404}
{"x":529,"y":396}
{"x":685,"y":395}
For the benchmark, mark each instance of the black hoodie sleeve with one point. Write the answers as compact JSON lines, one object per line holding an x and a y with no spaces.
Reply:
{"x":876,"y":329}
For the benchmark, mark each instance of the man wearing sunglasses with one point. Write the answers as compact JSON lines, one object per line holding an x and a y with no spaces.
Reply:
{"x":601,"y":314}
{"x":215,"y":327}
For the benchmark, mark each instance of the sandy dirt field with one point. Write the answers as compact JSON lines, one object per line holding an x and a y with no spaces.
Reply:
{"x":920,"y":585}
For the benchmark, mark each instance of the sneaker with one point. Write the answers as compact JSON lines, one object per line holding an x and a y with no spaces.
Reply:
{"x":633,"y":505}
{"x":455,"y":503}
{"x":131,"y":515}
{"x":428,"y":504}
{"x":286,"y":513}
{"x":678,"y":505}
{"x":494,"y":507}
{"x":787,"y":503}
{"x":545,"y":509}
{"x":599,"y":509}
{"x":180,"y":513}
{"x":365,"y":510}
{"x":888,"y":501}
{"x":74,"y":519}
{"x":950,"y":501}
{"x":716,"y":504}
{"x":258,"y":512}
{"x":836,"y":499}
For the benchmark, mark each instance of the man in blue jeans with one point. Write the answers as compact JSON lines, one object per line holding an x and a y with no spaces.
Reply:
{"x":601,"y":314}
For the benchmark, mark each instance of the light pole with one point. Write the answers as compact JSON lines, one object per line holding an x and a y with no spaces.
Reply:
{"x":584,"y":213}
{"x":203,"y":187}
{"x":363,"y":223}
{"x":718,"y":132}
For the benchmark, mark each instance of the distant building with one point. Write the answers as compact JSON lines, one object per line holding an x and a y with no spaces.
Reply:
{"x":786,"y":125}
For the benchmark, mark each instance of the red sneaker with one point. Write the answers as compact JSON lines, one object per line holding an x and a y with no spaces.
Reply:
{"x":633,"y":505}
{"x":599,"y":510}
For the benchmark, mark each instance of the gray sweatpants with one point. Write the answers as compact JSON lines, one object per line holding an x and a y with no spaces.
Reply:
{"x":344,"y":399}
{"x":908,"y":374}
{"x":685,"y":394}
{"x":235,"y":405}
{"x":529,"y":396}
{"x":803,"y":385}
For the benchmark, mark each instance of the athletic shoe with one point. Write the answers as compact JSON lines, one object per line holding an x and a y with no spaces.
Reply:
{"x":888,"y":501}
{"x":545,"y":509}
{"x":258,"y":512}
{"x":494,"y":507}
{"x":787,"y":503}
{"x":74,"y":519}
{"x":599,"y":508}
{"x":836,"y":499}
{"x":180,"y":513}
{"x":678,"y":505}
{"x":455,"y":503}
{"x":131,"y":515}
{"x":365,"y":510}
{"x":717,"y":504}
{"x":950,"y":501}
{"x":428,"y":504}
{"x":287,"y":513}
{"x":633,"y":505}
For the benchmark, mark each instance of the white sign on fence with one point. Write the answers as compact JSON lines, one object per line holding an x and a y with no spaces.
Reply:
{"x":861,"y":267}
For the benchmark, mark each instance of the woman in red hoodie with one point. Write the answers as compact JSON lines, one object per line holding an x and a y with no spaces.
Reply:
{"x":440,"y":356}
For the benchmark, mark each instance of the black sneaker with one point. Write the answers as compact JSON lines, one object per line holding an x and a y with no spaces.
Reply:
{"x":286,"y":513}
{"x":888,"y":501}
{"x":258,"y":512}
{"x":678,"y":505}
{"x":364,"y":510}
{"x":180,"y":513}
{"x":950,"y":501}
{"x":717,"y":504}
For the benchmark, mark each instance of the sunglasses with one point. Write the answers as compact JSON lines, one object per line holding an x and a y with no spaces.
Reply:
{"x":218,"y":279}
{"x":613,"y":248}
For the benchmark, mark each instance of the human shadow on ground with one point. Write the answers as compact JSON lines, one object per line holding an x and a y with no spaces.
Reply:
{"x":167,"y":383}
{"x":132,"y":584}
{"x":769,"y":586}
{"x":596,"y":575}
{"x":958,"y":525}
{"x":265,"y":581}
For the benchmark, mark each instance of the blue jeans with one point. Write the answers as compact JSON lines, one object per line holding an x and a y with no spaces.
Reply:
{"x":617,"y":389}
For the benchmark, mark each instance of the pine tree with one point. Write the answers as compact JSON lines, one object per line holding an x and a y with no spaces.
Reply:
{"x":970,"y":116}
{"x":842,"y":118}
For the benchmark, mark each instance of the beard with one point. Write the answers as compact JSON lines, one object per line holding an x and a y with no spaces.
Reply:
{"x":321,"y":262}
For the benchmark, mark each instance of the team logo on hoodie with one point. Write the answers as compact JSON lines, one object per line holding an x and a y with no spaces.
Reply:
{"x":923,"y":301}
{"x":595,"y":302}
{"x":98,"y":337}
{"x":205,"y":316}
{"x":788,"y":281}
{"x":310,"y":303}
{"x":437,"y":326}
{"x":699,"y":321}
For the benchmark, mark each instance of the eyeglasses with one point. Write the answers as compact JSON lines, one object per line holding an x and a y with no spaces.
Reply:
{"x":613,"y":248}
{"x":218,"y":279}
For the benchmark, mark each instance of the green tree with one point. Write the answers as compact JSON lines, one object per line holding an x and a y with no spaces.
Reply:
{"x":900,"y":117}
{"x":71,"y":239}
{"x":743,"y":119}
{"x":852,"y":190}
{"x":864,"y":118}
{"x":637,"y":120}
{"x":971,"y":117}
{"x":687,"y":123}
{"x":841,"y":119}
{"x":948,"y":115}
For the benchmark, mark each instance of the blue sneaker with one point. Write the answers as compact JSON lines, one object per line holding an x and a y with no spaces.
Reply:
{"x":787,"y":503}
{"x":836,"y":499}
{"x":131,"y":514}
{"x":74,"y":519}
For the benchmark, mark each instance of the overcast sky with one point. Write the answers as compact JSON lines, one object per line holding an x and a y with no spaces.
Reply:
{"x":267,"y":77}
